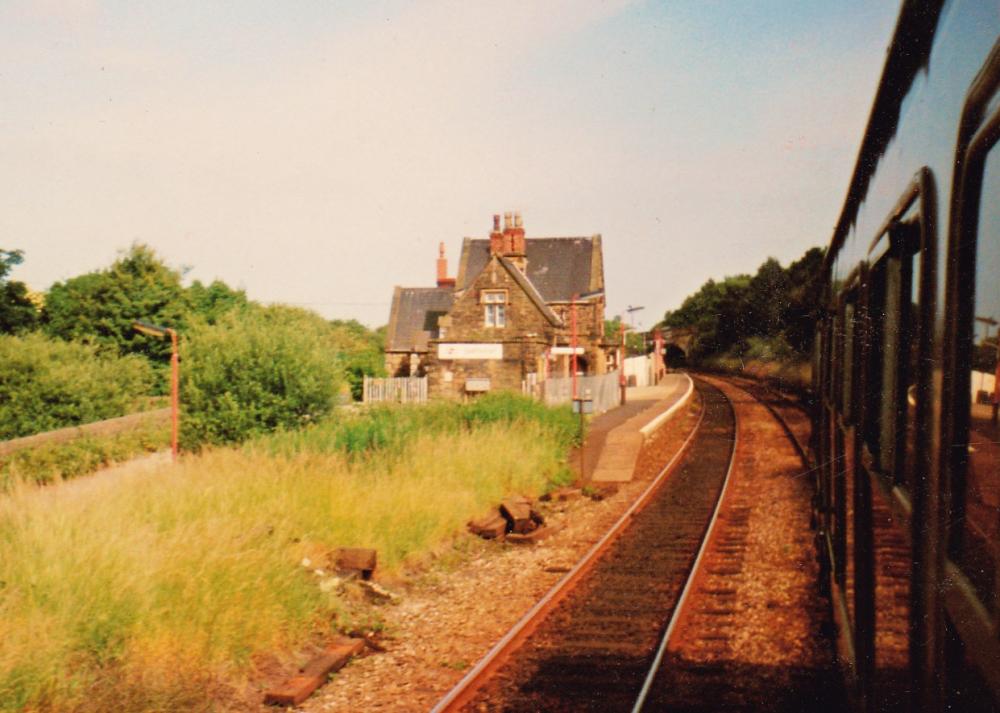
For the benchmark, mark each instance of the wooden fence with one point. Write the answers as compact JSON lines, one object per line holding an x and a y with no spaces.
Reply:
{"x":404,"y":390}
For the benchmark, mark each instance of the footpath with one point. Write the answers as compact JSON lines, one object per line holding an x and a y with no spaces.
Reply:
{"x":615,"y":438}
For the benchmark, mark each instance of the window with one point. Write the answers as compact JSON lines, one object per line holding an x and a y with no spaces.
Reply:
{"x":891,"y":432}
{"x":494,"y":308}
{"x":981,"y":524}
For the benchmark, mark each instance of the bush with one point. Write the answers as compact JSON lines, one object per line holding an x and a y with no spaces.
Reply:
{"x":47,"y":384}
{"x":255,"y":371}
{"x":52,"y":462}
{"x":389,"y":428}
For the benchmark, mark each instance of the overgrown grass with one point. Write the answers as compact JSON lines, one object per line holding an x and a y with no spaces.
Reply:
{"x":149,"y":591}
{"x":54,"y":462}
{"x":767,"y":359}
{"x":386,"y":430}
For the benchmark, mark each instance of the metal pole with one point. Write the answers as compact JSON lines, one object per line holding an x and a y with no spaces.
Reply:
{"x":174,"y":393}
{"x":621,"y":364}
{"x":573,"y":343}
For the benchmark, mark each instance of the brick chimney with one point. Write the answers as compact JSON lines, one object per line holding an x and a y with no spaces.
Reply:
{"x":496,"y":237}
{"x":514,"y":248}
{"x":509,"y":243}
{"x":517,"y":247}
{"x":442,"y":269}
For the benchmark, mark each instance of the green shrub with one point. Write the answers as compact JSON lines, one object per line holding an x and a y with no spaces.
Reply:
{"x":389,"y":428}
{"x":47,"y":384}
{"x":255,"y":371}
{"x":51,"y":462}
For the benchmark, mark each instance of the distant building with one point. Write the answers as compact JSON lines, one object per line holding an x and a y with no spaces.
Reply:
{"x":507,"y":317}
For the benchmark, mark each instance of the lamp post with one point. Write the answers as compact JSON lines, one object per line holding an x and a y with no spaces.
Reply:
{"x":154,"y":330}
{"x":621,"y":364}
{"x":572,"y":342}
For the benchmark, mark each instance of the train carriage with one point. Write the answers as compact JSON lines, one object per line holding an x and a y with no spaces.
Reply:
{"x":908,"y":492}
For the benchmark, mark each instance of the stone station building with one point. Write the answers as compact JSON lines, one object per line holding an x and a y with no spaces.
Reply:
{"x":507,"y":318}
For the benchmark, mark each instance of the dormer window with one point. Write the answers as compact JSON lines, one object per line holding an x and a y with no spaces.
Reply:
{"x":494,"y":307}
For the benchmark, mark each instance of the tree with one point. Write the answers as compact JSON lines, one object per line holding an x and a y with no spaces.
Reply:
{"x":100,"y":307}
{"x":805,"y":297}
{"x":17,"y":312}
{"x":767,"y":299}
{"x":359,"y":351}
{"x":50,"y":383}
{"x":775,"y":308}
{"x":633,"y":340}
{"x":212,"y":301}
{"x":255,"y":371}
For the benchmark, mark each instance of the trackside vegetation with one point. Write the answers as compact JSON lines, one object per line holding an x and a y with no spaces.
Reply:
{"x":255,"y":371}
{"x":195,"y":574}
{"x":48,"y":383}
{"x":767,"y":317}
{"x":51,"y":463}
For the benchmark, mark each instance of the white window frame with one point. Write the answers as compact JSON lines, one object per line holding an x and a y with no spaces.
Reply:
{"x":494,"y":308}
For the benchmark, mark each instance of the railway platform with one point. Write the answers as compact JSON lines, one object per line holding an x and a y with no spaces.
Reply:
{"x":615,"y":438}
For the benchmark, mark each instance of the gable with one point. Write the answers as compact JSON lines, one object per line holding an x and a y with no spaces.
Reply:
{"x":526,"y":311}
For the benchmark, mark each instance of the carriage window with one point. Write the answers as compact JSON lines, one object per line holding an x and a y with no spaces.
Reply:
{"x":890,"y":427}
{"x":910,"y":373}
{"x":847,"y":360}
{"x":877,"y":318}
{"x":981,"y":526}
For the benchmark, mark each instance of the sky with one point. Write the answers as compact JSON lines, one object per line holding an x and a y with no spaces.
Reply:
{"x":315,"y":152}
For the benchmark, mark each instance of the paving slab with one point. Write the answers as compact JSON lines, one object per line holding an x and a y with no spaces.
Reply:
{"x":620,"y":433}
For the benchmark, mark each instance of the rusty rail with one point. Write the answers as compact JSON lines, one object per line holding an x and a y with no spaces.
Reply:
{"x":465,"y":690}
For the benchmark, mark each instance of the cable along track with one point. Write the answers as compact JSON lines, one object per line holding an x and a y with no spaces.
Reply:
{"x":593,"y":650}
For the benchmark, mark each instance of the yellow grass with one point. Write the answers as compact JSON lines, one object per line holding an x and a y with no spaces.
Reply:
{"x":144,"y":592}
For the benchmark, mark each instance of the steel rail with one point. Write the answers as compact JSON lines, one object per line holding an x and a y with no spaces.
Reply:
{"x":689,"y":583}
{"x":466,"y":688}
{"x":801,"y":449}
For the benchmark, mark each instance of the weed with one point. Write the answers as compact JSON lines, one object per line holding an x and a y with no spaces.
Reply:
{"x":137,"y":594}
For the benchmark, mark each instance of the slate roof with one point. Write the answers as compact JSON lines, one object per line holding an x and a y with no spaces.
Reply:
{"x":529,"y":289}
{"x":557,"y":267}
{"x":414,"y":316}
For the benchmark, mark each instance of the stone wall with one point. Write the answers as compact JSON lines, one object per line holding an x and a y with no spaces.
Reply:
{"x":524,"y":337}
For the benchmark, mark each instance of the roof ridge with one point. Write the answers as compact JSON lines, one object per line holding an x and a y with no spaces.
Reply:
{"x":529,"y":288}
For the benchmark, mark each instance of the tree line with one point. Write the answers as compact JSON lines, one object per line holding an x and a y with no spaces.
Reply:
{"x":771,"y":314}
{"x":71,"y":354}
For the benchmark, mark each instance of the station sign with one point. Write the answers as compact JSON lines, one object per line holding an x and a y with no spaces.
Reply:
{"x":471,"y":350}
{"x":556,"y":351}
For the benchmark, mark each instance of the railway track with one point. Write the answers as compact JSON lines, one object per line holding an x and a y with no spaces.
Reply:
{"x":593,"y":649}
{"x":677,"y":564}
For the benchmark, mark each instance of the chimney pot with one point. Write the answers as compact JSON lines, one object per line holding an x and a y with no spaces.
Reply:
{"x":517,"y":220}
{"x":507,"y":221}
{"x":496,"y":222}
{"x":442,"y":269}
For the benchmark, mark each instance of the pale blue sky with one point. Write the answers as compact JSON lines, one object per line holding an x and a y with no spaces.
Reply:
{"x":317,"y":152}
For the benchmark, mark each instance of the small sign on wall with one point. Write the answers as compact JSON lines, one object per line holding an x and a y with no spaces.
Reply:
{"x":471,"y":350}
{"x":556,"y":351}
{"x":474,"y":384}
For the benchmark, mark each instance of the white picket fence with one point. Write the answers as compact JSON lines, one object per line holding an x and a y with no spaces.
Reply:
{"x":402,"y":390}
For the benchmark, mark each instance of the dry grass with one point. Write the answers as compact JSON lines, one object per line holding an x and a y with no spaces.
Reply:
{"x":144,"y":593}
